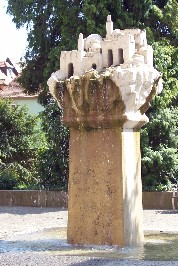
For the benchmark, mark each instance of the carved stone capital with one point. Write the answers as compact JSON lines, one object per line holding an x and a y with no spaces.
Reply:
{"x":112,"y":98}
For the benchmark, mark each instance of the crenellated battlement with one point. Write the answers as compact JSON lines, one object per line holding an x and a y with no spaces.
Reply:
{"x":118,"y":48}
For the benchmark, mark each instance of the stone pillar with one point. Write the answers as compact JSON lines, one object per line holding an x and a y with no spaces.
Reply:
{"x":105,"y":193}
{"x":105,"y":114}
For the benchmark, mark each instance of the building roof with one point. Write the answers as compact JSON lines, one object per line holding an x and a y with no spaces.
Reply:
{"x":2,"y":77}
{"x":8,"y":71}
{"x":14,"y":90}
{"x":5,"y":64}
{"x":9,"y":85}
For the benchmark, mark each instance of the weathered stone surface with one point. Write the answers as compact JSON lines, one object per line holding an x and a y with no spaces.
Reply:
{"x":104,"y":108}
{"x":119,"y":47}
{"x":5,"y":198}
{"x":56,"y":199}
{"x":105,"y":194}
{"x":115,"y":97}
{"x":33,"y":198}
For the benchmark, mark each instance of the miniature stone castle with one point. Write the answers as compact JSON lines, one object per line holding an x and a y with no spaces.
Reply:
{"x":125,"y":57}
{"x":119,"y":48}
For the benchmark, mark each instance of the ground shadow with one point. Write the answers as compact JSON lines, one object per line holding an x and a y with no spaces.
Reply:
{"x":167,"y":211}
{"x":19,"y":210}
{"x":98,"y":261}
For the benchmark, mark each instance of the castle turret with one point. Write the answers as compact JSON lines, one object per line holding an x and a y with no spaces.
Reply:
{"x":80,"y":42}
{"x":109,"y":27}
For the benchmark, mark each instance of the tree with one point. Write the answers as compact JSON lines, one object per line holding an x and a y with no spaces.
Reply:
{"x":18,"y":143}
{"x":55,"y":26}
{"x":159,"y":150}
{"x":159,"y":137}
{"x":53,"y":158}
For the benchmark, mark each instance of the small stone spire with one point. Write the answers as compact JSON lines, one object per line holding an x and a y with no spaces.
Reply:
{"x":109,"y":27}
{"x":80,"y":42}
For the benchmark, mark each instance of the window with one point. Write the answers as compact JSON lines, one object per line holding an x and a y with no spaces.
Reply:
{"x":120,"y":56}
{"x":70,"y":70}
{"x":13,"y":106}
{"x":110,"y":57}
{"x":94,"y":66}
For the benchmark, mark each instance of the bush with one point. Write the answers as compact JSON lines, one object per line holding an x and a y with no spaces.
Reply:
{"x":18,"y":142}
{"x":53,"y":158}
{"x":159,"y":151}
{"x":7,"y":181}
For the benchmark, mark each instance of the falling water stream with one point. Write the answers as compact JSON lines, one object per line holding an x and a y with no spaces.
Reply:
{"x":54,"y":242}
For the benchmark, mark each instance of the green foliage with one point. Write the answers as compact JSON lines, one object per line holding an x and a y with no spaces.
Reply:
{"x":159,"y":168}
{"x":17,"y":142}
{"x":166,"y":61}
{"x":159,"y":23}
{"x":34,"y":152}
{"x":159,"y":150}
{"x":7,"y":181}
{"x":53,"y":159}
{"x":55,"y":25}
{"x":170,"y":18}
{"x":159,"y":140}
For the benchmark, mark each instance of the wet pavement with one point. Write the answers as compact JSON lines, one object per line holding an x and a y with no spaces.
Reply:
{"x":34,"y":236}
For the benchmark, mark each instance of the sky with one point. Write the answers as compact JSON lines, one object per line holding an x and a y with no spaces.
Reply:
{"x":12,"y":41}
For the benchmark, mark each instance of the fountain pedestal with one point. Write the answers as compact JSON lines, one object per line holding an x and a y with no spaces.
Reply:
{"x":104,"y":110}
{"x":105,"y":191}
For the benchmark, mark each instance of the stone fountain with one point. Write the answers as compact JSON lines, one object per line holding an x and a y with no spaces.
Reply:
{"x":104,"y":89}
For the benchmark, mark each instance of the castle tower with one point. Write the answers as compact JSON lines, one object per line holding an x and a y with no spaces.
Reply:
{"x":80,"y":42}
{"x":109,"y":27}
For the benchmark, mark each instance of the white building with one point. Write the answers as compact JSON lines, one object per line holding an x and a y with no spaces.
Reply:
{"x":120,"y":48}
